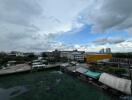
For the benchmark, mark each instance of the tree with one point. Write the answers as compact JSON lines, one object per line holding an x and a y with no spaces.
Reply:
{"x":44,"y":54}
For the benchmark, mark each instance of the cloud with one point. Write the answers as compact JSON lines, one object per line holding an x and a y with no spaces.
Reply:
{"x":33,"y":24}
{"x":19,"y":12}
{"x":106,"y":15}
{"x":108,"y":40}
{"x":16,"y":22}
{"x":126,"y":44}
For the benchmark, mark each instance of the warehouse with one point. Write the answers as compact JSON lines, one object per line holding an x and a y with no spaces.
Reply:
{"x":98,"y":58}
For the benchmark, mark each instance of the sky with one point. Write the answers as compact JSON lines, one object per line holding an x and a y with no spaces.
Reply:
{"x":46,"y":25}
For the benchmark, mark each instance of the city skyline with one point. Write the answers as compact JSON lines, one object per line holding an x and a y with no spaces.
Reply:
{"x":46,"y":25}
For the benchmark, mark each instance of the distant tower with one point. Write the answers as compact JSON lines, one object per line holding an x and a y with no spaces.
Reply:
{"x":108,"y":50}
{"x":101,"y":51}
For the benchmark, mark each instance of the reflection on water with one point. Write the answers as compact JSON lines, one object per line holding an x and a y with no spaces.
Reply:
{"x":6,"y":94}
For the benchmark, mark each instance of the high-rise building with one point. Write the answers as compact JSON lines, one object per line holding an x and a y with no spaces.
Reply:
{"x":108,"y":50}
{"x":101,"y":51}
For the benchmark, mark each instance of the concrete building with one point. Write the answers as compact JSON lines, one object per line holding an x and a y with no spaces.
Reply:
{"x":108,"y":50}
{"x":102,"y":51}
{"x":66,"y":54}
{"x":77,"y":56}
{"x":74,"y":55}
{"x":16,"y":54}
{"x":56,"y":55}
{"x":93,"y":58}
{"x":105,"y":51}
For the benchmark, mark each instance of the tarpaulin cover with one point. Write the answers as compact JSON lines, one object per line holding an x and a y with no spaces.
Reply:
{"x":114,"y":82}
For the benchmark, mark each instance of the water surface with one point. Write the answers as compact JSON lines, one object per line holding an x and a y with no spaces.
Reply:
{"x":49,"y":85}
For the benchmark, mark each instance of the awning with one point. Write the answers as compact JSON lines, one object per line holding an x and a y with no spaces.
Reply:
{"x":93,"y":74}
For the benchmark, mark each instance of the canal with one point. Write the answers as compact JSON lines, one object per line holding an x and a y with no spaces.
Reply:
{"x":48,"y":85}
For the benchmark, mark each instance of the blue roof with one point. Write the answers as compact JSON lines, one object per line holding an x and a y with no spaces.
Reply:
{"x":93,"y":74}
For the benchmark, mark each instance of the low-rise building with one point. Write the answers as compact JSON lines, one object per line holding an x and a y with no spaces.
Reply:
{"x":73,"y":55}
{"x":121,"y":60}
{"x":16,"y":54}
{"x":98,"y":58}
{"x":78,"y":56}
{"x":66,"y":54}
{"x":52,"y":56}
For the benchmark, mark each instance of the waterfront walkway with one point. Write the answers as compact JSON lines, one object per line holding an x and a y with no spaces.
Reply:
{"x":23,"y":68}
{"x":15,"y":69}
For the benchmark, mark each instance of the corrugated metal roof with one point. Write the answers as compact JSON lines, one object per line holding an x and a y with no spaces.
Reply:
{"x":81,"y":70}
{"x":114,"y":82}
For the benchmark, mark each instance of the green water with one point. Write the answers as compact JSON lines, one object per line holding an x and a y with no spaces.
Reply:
{"x":49,"y":85}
